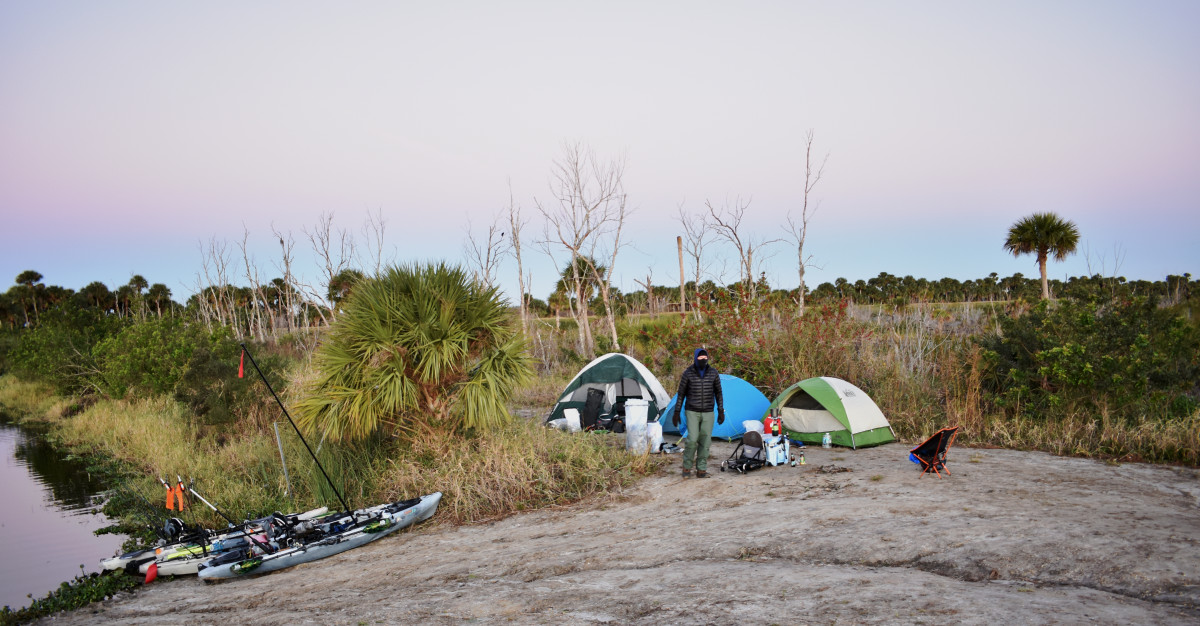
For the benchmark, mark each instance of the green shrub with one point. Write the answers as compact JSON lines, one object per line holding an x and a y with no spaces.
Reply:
{"x":210,"y":386}
{"x":1129,"y":357}
{"x":60,"y":349}
{"x":147,"y":358}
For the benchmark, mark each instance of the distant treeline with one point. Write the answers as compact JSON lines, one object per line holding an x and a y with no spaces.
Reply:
{"x":902,"y":290}
{"x":276,"y":307}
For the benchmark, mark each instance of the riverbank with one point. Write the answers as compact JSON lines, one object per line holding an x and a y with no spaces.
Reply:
{"x":852,"y":537}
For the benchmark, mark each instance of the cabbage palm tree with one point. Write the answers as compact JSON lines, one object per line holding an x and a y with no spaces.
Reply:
{"x":418,"y":350}
{"x":159,"y":295}
{"x":97,"y":294}
{"x":1043,"y":234}
{"x":137,"y":283}
{"x":341,"y":285}
{"x":30,"y":281}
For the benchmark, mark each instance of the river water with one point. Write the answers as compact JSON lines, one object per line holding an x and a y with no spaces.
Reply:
{"x":48,"y":512}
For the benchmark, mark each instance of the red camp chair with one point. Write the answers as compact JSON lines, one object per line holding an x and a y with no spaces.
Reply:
{"x":931,"y":455}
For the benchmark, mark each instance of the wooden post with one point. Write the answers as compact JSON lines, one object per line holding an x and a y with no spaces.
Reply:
{"x":682,"y":282}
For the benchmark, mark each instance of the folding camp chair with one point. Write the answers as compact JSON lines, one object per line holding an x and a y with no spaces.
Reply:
{"x":931,"y":454}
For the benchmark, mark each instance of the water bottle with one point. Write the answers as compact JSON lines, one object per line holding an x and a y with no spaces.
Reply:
{"x":826,"y":441}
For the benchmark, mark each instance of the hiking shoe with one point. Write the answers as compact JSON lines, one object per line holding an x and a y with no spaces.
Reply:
{"x":702,"y":474}
{"x":687,"y":473}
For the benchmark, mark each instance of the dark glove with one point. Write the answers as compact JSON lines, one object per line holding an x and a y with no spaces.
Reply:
{"x":675,"y":420}
{"x":721,"y":417}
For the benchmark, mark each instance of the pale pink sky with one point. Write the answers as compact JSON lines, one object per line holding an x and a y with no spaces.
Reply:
{"x":130,"y":131}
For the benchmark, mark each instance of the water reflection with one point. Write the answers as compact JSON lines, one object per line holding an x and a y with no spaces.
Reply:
{"x":71,"y":486}
{"x":48,"y":517}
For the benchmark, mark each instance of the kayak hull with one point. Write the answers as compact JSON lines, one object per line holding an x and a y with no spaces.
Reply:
{"x":385,"y":523}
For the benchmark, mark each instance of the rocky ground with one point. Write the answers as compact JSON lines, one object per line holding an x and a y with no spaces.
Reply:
{"x":852,"y":537}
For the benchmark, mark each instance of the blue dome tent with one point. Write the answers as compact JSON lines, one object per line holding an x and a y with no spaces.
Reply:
{"x":743,"y":401}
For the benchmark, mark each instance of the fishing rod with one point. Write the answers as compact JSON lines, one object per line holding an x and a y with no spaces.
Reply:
{"x":266,"y":548}
{"x":143,"y":509}
{"x":246,"y":352}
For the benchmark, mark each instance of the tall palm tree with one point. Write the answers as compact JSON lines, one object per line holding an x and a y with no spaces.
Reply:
{"x":97,"y":294}
{"x":418,"y":350}
{"x":1044,"y":234}
{"x":30,"y":281}
{"x":159,"y":295}
{"x":137,"y":283}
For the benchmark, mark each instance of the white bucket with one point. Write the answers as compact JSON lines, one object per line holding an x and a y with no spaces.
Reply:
{"x":572,"y":416}
{"x":654,"y":434}
{"x":635,"y":425}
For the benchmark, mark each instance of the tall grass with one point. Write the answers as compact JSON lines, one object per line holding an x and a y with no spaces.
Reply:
{"x":22,"y":399}
{"x":523,"y":466}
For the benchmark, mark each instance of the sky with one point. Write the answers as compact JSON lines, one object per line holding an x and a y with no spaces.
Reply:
{"x":134,"y":132}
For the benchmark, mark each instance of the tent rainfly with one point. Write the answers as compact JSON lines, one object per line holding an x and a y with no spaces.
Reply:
{"x":621,"y":377}
{"x":743,"y":401}
{"x":813,"y":407}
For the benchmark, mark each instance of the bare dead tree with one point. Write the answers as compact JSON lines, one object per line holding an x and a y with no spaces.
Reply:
{"x":799,"y":231}
{"x":727,"y":224}
{"x":603,"y":276}
{"x":214,"y":264}
{"x":483,"y":257}
{"x":255,"y":314}
{"x":207,"y":313}
{"x":287,"y":296}
{"x":648,"y":285}
{"x":696,"y":235}
{"x":588,"y":217}
{"x":373,"y":231}
{"x":334,"y":249}
{"x":515,"y":226}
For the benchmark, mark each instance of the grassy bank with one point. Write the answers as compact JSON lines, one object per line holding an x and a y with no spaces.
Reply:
{"x":523,"y":466}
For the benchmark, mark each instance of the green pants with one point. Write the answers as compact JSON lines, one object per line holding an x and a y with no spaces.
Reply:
{"x":699,"y":439}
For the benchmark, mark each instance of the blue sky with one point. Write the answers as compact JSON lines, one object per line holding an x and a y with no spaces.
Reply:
{"x":132,"y":131}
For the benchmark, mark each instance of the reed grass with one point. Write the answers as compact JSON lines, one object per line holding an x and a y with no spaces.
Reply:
{"x":24,"y":400}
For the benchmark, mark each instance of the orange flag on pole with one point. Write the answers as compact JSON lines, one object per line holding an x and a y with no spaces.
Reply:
{"x":242,"y":364}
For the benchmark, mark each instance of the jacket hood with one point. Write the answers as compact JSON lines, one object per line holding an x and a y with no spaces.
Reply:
{"x":701,"y":366}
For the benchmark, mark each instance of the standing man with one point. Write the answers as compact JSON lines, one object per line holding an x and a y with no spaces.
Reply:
{"x":700,"y":386}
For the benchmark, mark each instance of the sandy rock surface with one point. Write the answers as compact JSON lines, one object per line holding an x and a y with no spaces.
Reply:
{"x":1011,"y":537}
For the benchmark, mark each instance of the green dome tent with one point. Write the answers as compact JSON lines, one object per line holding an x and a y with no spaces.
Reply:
{"x":621,"y":377}
{"x":813,"y":407}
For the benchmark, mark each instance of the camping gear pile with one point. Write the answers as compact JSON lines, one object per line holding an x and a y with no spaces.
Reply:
{"x":759,"y":449}
{"x":597,"y":398}
{"x":617,"y":393}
